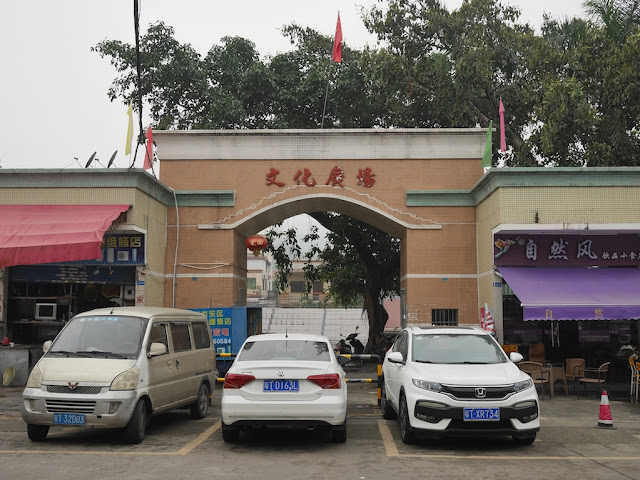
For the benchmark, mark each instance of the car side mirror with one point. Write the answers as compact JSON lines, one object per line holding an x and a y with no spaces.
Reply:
{"x":515,"y":357}
{"x":46,"y":346}
{"x":156,"y":349}
{"x":395,"y":357}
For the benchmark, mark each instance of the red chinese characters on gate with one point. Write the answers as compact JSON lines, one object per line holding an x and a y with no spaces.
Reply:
{"x":335,"y":177}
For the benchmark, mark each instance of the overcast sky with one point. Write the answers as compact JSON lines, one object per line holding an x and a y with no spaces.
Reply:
{"x":53,"y":89}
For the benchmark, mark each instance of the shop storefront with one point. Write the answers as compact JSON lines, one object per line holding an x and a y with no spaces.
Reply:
{"x":575,"y":294}
{"x":40,"y":298}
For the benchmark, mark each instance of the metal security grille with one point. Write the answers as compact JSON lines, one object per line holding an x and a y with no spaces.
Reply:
{"x":69,"y":406}
{"x":76,"y":390}
{"x":444,"y":316}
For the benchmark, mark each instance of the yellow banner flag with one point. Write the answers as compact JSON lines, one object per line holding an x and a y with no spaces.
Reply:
{"x":127,"y":148}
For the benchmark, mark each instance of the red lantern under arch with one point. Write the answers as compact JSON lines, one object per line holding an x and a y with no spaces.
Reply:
{"x":255,"y":243}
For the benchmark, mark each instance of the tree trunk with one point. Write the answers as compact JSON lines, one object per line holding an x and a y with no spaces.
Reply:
{"x":378,"y":317}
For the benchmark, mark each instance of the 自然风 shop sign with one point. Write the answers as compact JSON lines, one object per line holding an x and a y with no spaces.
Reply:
{"x":560,"y":250}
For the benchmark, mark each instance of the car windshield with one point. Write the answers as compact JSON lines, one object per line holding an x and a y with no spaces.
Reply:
{"x":456,"y":348}
{"x":100,"y":336}
{"x":285,"y":350}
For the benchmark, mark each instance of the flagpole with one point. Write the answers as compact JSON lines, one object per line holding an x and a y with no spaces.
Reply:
{"x":336,"y":56}
{"x":136,"y":24}
{"x":326,"y":94}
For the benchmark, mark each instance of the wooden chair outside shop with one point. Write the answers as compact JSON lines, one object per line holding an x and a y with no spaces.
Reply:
{"x":539,"y":374}
{"x":571,"y":368}
{"x":593,"y":376}
{"x":537,"y":353}
{"x":635,"y":378}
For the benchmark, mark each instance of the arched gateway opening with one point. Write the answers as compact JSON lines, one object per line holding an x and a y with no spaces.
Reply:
{"x":411,"y":184}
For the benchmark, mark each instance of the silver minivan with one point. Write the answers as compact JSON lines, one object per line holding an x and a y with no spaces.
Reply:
{"x":116,"y":367}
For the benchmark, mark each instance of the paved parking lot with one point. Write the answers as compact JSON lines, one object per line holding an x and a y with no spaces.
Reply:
{"x":568,"y":446}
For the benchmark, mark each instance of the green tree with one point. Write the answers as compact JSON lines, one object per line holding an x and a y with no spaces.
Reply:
{"x":229,"y":88}
{"x":360,"y":263}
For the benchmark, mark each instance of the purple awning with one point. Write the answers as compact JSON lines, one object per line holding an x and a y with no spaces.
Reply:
{"x":575,"y":293}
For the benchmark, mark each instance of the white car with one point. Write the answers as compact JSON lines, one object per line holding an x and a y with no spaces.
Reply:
{"x":457,"y":381}
{"x":285,"y":380}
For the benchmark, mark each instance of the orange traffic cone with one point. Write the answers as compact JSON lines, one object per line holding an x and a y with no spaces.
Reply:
{"x":605,"y":420}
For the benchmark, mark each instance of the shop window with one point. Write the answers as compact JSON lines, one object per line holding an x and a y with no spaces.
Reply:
{"x":444,"y":316}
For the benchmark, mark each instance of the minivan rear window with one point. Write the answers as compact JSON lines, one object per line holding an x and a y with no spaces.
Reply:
{"x":180,"y":336}
{"x":201,"y":335}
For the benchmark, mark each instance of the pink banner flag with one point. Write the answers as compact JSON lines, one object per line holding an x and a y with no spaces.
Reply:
{"x":503,"y":142}
{"x":337,"y":43}
{"x":148,"y":154}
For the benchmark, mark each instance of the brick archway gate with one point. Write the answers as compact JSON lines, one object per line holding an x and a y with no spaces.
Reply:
{"x":412,"y":184}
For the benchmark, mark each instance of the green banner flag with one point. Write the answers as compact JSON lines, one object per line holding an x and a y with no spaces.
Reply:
{"x":486,"y":158}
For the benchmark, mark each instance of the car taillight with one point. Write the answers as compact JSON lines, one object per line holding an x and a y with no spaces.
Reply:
{"x":330,"y":380}
{"x":236,"y":380}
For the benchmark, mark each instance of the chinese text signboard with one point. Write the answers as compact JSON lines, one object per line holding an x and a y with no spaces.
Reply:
{"x":334,"y":178}
{"x":594,"y":336}
{"x":220,"y":324}
{"x":557,"y":250}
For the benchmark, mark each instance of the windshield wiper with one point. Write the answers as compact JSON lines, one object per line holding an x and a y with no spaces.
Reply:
{"x":423,"y":361}
{"x":68,"y":352}
{"x":468,"y":363}
{"x":94,"y":353}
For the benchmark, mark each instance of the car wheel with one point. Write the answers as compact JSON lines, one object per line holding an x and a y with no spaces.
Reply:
{"x":200,"y":407}
{"x":388,"y":413}
{"x":528,"y":440}
{"x":37,"y":433}
{"x":339,"y":433}
{"x":230,"y":434}
{"x":406,"y":431}
{"x":137,"y":425}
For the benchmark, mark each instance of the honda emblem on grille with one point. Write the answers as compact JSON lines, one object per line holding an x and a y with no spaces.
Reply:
{"x":72,"y":386}
{"x":281,"y":373}
{"x":481,"y":392}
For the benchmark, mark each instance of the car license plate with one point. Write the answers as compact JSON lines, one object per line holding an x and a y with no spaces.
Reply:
{"x":481,"y":414}
{"x":281,"y":385}
{"x":68,"y":419}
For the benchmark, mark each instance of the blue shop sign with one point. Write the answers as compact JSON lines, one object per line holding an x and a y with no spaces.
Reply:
{"x":220,"y":324}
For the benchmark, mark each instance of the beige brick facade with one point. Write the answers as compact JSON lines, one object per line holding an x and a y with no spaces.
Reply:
{"x":424,"y":186}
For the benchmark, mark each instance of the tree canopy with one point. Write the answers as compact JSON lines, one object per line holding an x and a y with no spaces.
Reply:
{"x":571,"y":93}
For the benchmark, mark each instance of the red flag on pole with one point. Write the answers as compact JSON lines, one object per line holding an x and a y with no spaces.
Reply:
{"x":337,"y":43}
{"x":148,"y":156}
{"x":503,"y":142}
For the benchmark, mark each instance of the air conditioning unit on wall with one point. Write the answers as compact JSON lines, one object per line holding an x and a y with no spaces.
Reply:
{"x":129,"y":293}
{"x":123,"y":256}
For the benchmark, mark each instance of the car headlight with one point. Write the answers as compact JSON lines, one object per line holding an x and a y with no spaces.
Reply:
{"x":35,"y":378}
{"x":127,"y":380}
{"x":426,"y":385}
{"x":523,"y":385}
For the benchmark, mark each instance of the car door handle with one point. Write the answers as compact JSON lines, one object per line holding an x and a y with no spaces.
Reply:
{"x":177,"y":363}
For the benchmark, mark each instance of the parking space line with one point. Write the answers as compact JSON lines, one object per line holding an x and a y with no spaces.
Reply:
{"x":183,"y":451}
{"x":201,"y":438}
{"x":392,"y":451}
{"x":389,"y":444}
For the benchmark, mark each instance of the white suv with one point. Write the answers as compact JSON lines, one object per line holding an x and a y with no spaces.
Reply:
{"x":457,"y":381}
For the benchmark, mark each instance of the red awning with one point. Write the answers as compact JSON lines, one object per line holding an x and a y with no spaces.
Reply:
{"x":34,"y":234}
